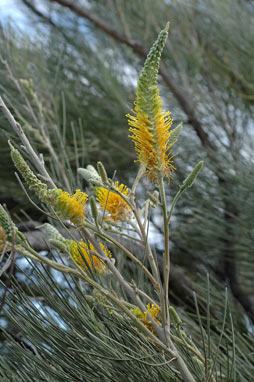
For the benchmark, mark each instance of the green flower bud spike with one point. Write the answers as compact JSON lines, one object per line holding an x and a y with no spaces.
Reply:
{"x":94,"y":209}
{"x":90,"y":175}
{"x":188,"y":182}
{"x":34,"y":184}
{"x":102,"y":172}
{"x":9,"y":228}
{"x":154,"y":197}
{"x":175,"y":133}
{"x":5,"y":222}
{"x":59,"y":245}
{"x":52,"y":232}
{"x":174,"y":316}
{"x":67,"y":206}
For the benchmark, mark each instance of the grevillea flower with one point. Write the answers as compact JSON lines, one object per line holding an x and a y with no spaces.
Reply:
{"x":3,"y":238}
{"x":70,"y":206}
{"x":67,"y":206}
{"x":154,"y":311}
{"x":113,"y":203}
{"x":150,"y":126}
{"x":85,"y":255}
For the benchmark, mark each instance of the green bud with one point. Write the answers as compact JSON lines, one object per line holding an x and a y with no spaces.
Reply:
{"x":188,"y":182}
{"x":92,"y":169}
{"x":154,"y":197}
{"x":175,"y":134}
{"x":5,"y":222}
{"x":174,"y":316}
{"x":59,"y":245}
{"x":102,"y":172}
{"x":52,"y":232}
{"x":94,"y":208}
{"x":91,"y":176}
{"x":34,"y":184}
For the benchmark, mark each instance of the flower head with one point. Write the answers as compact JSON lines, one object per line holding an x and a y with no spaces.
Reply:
{"x":150,"y":126}
{"x":85,"y":255}
{"x":70,"y":206}
{"x":152,"y":142}
{"x":154,"y":311}
{"x":113,"y":203}
{"x":3,"y":239}
{"x":66,"y":205}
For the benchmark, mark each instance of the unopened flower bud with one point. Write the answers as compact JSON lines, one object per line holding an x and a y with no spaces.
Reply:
{"x":102,"y":172}
{"x":58,"y":245}
{"x":90,"y":175}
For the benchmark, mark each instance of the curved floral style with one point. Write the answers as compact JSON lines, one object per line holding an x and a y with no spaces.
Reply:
{"x":3,"y":238}
{"x":152,"y":141}
{"x":85,"y":255}
{"x":154,"y":311}
{"x":71,"y":206}
{"x":150,"y":126}
{"x":113,"y":203}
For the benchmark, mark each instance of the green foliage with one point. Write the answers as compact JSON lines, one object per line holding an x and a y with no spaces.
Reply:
{"x":67,"y":335}
{"x":82,"y":86}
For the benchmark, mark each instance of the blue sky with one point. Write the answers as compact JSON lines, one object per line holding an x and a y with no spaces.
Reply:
{"x":12,"y":9}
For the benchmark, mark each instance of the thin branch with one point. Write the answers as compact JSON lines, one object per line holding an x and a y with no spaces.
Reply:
{"x":166,"y":257}
{"x":181,"y":286}
{"x":19,"y":131}
{"x":164,"y":339}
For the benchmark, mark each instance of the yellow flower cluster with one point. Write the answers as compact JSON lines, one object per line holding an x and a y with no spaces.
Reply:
{"x":154,"y":311}
{"x":150,"y":126}
{"x":152,"y":142}
{"x":3,"y":237}
{"x":71,"y":206}
{"x":67,"y":206}
{"x":85,"y":255}
{"x":113,"y":203}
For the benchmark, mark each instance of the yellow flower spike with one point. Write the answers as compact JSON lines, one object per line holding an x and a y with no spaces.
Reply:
{"x":3,"y":239}
{"x":70,"y":206}
{"x":83,"y":255}
{"x":113,"y":203}
{"x":154,"y":311}
{"x":150,"y":126}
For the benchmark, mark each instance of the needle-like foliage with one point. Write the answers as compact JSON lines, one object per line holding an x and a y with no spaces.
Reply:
{"x":75,"y":116}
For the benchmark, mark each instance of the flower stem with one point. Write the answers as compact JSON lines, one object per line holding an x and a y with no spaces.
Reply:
{"x":166,"y":249}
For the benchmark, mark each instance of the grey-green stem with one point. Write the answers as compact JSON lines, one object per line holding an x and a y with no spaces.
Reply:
{"x":166,"y":249}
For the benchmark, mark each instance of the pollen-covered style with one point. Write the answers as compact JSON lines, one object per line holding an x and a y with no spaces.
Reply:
{"x":113,"y":203}
{"x":85,"y":256}
{"x":150,"y":126}
{"x":3,"y":238}
{"x":154,"y":311}
{"x":70,"y":206}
